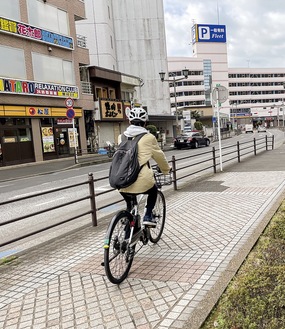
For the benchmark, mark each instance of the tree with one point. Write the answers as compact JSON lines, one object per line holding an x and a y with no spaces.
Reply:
{"x":152,"y":129}
{"x":198,"y":125}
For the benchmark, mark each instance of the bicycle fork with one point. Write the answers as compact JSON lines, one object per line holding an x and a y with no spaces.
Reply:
{"x":135,"y":221}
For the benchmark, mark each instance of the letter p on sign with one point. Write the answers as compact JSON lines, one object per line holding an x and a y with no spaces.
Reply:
{"x":204,"y":32}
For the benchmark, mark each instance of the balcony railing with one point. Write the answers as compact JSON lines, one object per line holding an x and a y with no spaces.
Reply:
{"x":81,"y":41}
{"x":86,"y":87}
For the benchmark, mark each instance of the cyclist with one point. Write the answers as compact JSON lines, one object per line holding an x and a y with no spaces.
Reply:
{"x":148,"y":149}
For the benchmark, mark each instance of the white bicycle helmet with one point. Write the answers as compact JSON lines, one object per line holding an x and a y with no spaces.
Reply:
{"x":137,"y":113}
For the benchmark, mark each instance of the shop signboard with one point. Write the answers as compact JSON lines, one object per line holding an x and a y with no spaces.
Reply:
{"x":48,"y":139}
{"x":35,"y":111}
{"x":208,"y":33}
{"x":111,"y":110}
{"x":34,"y":88}
{"x":72,"y":132}
{"x":64,"y":121}
{"x":24,"y":30}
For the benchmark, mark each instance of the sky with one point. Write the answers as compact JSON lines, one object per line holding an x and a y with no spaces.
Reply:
{"x":255,"y":29}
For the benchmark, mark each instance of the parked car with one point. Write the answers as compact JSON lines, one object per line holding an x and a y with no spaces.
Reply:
{"x":261,"y":129}
{"x":187,"y":129}
{"x":248,"y":128}
{"x":191,"y":139}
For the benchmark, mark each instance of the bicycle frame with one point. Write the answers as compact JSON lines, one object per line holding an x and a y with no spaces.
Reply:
{"x":135,"y":216}
{"x":136,"y":201}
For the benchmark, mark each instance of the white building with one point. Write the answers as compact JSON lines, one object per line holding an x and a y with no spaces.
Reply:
{"x":254,"y":95}
{"x":129,"y":37}
{"x":257,"y":94}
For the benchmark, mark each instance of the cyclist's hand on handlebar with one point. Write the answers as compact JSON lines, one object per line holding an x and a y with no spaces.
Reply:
{"x":160,"y":172}
{"x":157,"y":169}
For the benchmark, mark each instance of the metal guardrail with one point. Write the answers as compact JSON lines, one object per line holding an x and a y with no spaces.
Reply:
{"x":229,"y":154}
{"x":211,"y":162}
{"x":92,"y":210}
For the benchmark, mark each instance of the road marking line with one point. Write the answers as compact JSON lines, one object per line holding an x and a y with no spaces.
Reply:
{"x":20,"y":195}
{"x":102,"y":188}
{"x":43,"y":203}
{"x":1,"y":186}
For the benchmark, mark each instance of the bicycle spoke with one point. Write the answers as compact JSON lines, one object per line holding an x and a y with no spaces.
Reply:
{"x":159,"y":212}
{"x":118,"y":257}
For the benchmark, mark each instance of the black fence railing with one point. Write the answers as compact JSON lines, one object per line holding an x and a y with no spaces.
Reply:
{"x":90,"y":196}
{"x":209,"y":161}
{"x":212,"y":160}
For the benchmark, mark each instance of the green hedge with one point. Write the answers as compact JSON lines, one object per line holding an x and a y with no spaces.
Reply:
{"x":255,"y":299}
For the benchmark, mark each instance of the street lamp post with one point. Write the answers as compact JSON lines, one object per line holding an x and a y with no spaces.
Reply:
{"x":233,"y":115}
{"x":174,"y":80}
{"x":282,"y":109}
{"x":283,"y":106}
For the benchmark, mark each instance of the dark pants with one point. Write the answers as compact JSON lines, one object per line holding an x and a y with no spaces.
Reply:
{"x":151,"y":199}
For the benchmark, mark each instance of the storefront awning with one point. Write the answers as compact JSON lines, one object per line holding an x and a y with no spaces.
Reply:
{"x":161,"y":118}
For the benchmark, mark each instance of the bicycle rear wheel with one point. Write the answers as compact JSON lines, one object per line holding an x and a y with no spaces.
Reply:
{"x":159,"y":212}
{"x":119,"y":256}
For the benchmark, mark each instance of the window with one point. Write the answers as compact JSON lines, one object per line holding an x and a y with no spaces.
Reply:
{"x":52,"y":69}
{"x":24,"y":135}
{"x":12,"y":64}
{"x":98,"y":93}
{"x":10,"y":136}
{"x":10,"y":9}
{"x":47,"y":17}
{"x":104,"y":92}
{"x":112,"y":93}
{"x":127,"y":96}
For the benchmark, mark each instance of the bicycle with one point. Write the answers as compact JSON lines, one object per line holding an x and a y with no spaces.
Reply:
{"x":121,"y":238}
{"x":111,"y":149}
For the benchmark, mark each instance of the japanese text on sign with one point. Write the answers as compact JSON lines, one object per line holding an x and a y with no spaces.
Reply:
{"x":111,"y":110}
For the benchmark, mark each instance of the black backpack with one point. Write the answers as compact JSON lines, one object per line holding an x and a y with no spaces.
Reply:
{"x":125,"y":166}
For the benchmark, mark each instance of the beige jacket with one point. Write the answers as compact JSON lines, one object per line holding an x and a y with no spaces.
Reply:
{"x":148,"y":149}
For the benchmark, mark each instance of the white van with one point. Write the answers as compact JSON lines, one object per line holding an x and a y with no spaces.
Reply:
{"x":248,"y":128}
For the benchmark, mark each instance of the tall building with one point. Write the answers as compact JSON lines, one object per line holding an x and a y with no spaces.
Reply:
{"x":129,"y":36}
{"x":41,"y":56}
{"x":254,"y":95}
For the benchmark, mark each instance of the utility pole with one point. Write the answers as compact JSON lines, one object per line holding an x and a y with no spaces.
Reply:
{"x":220,"y":95}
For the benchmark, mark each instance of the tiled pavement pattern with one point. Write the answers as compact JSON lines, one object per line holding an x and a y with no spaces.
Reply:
{"x":211,"y":226}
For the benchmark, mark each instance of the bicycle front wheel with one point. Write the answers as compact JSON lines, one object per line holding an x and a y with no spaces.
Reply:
{"x":119,"y":255}
{"x":159,"y":212}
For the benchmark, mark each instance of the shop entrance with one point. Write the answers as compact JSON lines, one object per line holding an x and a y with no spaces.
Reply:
{"x":16,"y":144}
{"x":62,"y":142}
{"x":57,"y":138}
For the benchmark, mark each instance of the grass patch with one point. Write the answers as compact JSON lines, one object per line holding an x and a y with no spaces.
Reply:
{"x":255,"y":298}
{"x":6,"y":260}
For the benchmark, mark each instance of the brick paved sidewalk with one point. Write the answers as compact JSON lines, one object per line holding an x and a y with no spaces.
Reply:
{"x":211,"y":226}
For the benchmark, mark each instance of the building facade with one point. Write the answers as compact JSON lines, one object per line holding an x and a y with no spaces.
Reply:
{"x":41,"y":56}
{"x":255,"y":95}
{"x":129,"y":37}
